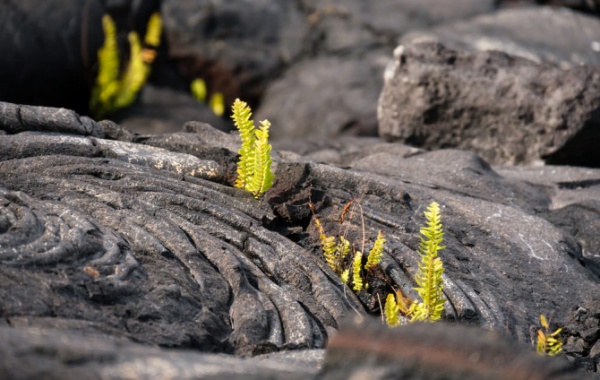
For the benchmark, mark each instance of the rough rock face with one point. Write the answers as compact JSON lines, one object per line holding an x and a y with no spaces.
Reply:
{"x":143,"y":238}
{"x":508,"y":109}
{"x":320,"y":50}
{"x":234,"y":45}
{"x":542,"y":34}
{"x":439,"y":351}
{"x":306,"y":96}
{"x":48,"y":51}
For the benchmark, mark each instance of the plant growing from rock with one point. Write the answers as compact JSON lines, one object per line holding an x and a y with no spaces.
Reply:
{"x":428,"y":278}
{"x":116,"y":88}
{"x":548,"y":343}
{"x":254,"y":166}
{"x":336,"y":250}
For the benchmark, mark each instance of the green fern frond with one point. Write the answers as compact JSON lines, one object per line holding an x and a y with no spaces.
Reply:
{"x":107,"y":81}
{"x":113,"y":91}
{"x":429,"y":276}
{"x":548,"y":343}
{"x":343,"y":249}
{"x":254,"y":165}
{"x":334,"y":252}
{"x":357,"y":280}
{"x":153,"y":30}
{"x":217,"y":103}
{"x":345,"y":276}
{"x":330,"y":252}
{"x":134,"y":76}
{"x":392,"y":311}
{"x":262,"y":178}
{"x":376,"y":253}
{"x":198,"y":88}
{"x":241,"y":118}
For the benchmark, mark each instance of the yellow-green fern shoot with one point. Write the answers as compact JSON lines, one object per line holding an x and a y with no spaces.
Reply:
{"x":217,"y":103}
{"x":254,"y":165}
{"x":334,"y":252}
{"x":548,"y":343}
{"x":376,"y":253}
{"x":357,"y":281}
{"x":429,"y":276}
{"x":392,"y":311}
{"x":115,"y":89}
{"x":198,"y":88}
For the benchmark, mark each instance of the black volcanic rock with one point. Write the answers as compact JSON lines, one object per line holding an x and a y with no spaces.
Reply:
{"x":144,"y":239}
{"x":508,"y":109}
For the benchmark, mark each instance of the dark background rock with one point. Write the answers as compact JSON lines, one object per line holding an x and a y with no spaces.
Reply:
{"x":235,"y":46}
{"x":49,"y":52}
{"x":346,"y":50}
{"x":543,"y":34}
{"x":508,"y":109}
{"x":165,"y":110}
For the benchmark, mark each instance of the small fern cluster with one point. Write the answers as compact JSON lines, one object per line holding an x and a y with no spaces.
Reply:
{"x":336,"y":251}
{"x":114,"y":88}
{"x":428,"y":278}
{"x":216,"y":101}
{"x":254,"y":165}
{"x":548,"y":343}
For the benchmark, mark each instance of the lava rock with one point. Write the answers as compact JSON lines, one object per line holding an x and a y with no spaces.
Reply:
{"x":145,"y":239}
{"x":435,"y":351}
{"x":508,"y":109}
{"x":48,"y":51}
{"x":542,"y":34}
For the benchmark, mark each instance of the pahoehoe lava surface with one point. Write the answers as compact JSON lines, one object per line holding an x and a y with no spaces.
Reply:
{"x":145,"y":238}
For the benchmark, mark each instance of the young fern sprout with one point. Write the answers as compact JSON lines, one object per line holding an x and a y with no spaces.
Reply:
{"x":429,"y":275}
{"x":548,"y":343}
{"x":114,"y":90}
{"x":392,"y":311}
{"x":357,"y":280}
{"x":336,"y":251}
{"x":376,"y":253}
{"x":254,"y":165}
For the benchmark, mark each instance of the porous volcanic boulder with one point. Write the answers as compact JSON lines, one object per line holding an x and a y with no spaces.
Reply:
{"x":106,"y":232}
{"x":558,"y":36}
{"x":508,"y":109}
{"x":296,"y":55}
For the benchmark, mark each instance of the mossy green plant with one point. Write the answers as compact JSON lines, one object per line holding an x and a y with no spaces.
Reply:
{"x":254,"y":166}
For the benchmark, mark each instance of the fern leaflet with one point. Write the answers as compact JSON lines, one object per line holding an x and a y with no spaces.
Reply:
{"x":391,"y":311}
{"x":376,"y":253}
{"x":262,"y":177}
{"x":357,"y":280}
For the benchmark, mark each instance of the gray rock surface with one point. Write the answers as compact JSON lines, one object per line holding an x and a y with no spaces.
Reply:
{"x":507,"y":109}
{"x":296,"y":55}
{"x":110,"y":237}
{"x":439,"y":351}
{"x":558,"y":36}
